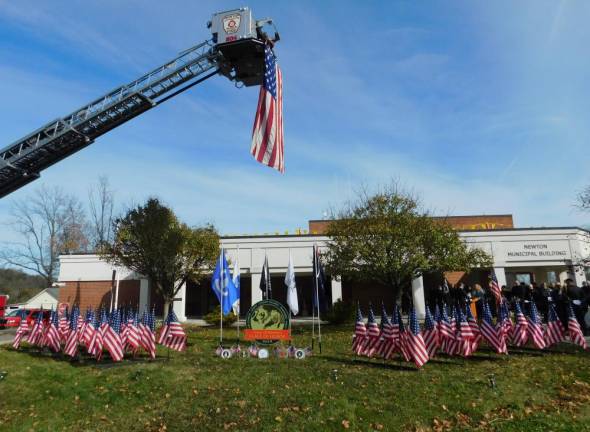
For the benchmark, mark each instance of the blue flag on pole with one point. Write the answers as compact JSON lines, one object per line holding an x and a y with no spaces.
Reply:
{"x":223,"y":285}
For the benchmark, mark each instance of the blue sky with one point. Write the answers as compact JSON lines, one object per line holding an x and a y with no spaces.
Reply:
{"x":479,"y":107}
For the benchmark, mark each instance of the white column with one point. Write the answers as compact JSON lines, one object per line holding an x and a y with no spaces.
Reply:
{"x":418,"y":296}
{"x":144,"y":295}
{"x":500,"y":275}
{"x":563,"y":275}
{"x":336,"y":290}
{"x":180,"y":305}
{"x":256,"y":293}
{"x":579,"y":277}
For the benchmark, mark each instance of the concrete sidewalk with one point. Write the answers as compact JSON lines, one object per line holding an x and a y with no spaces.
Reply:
{"x":7,"y":336}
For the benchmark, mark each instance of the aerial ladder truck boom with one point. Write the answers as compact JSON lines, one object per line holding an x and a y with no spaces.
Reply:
{"x":236,"y":50}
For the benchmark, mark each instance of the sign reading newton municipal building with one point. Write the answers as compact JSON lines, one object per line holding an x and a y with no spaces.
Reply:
{"x":537,"y":250}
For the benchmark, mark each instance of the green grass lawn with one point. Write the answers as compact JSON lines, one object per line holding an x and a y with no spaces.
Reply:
{"x":196,"y":390}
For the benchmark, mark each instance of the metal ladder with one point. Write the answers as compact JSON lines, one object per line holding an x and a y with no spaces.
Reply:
{"x":22,"y":161}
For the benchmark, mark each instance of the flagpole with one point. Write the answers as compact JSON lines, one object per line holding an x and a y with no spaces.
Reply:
{"x":221,"y":274}
{"x":312,"y":301}
{"x":316,"y":258}
{"x":289,"y":304}
{"x":240,"y":290}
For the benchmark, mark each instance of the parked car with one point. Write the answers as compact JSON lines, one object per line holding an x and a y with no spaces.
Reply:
{"x":13,"y":318}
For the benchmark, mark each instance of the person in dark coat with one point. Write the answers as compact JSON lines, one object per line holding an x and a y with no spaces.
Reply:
{"x":579,"y":304}
{"x":519,"y":291}
{"x":540,"y":295}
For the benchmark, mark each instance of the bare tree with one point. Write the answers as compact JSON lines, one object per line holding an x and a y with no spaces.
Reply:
{"x":583,"y":199}
{"x":49,"y":222}
{"x":101,"y":200}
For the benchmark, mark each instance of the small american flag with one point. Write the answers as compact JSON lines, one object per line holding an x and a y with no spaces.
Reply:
{"x":373,"y":334}
{"x":414,"y":342}
{"x":89,"y":329}
{"x":387,"y":344}
{"x":97,"y":342}
{"x":64,"y":325}
{"x":395,"y":324}
{"x":495,"y":287}
{"x":34,"y":337}
{"x":112,"y":338}
{"x":267,"y":135}
{"x":360,"y":333}
{"x":21,"y":332}
{"x":430,"y":336}
{"x":505,"y":320}
{"x":493,"y":335}
{"x":52,"y":334}
{"x":574,"y":331}
{"x":133,"y":333}
{"x":474,"y":328}
{"x":535,"y":327}
{"x":71,"y":346}
{"x":464,"y":335}
{"x":445,"y":332}
{"x":147,"y":333}
{"x":172,"y":334}
{"x":403,"y":341}
{"x":555,"y":332}
{"x":520,"y":334}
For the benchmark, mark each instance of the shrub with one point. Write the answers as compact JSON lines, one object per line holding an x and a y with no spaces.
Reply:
{"x":213,"y":317}
{"x":341,"y":313}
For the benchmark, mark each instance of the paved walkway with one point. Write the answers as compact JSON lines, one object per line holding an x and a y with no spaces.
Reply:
{"x":6,"y":336}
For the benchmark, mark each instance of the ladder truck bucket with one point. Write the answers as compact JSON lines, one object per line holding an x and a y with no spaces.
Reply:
{"x":241,"y":41}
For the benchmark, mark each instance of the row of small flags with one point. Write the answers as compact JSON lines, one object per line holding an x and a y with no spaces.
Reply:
{"x":455,"y":331}
{"x":118,"y":332}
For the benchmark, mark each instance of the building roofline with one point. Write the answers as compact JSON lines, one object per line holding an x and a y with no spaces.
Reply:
{"x":439,"y":217}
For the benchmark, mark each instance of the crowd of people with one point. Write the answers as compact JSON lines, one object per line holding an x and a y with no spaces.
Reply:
{"x":560,"y":294}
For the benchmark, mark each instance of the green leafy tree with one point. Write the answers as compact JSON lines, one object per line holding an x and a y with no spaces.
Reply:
{"x":389,"y":238}
{"x":151,"y":241}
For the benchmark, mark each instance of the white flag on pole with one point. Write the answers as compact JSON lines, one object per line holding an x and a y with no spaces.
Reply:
{"x":292,"y":300}
{"x":236,"y":281}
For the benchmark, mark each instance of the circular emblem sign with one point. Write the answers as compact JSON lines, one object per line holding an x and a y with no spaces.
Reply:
{"x":267,"y":322}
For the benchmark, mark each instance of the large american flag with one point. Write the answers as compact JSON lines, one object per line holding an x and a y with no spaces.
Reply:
{"x":574,"y":330}
{"x":430,"y":334}
{"x":520,"y":333}
{"x":555,"y":332}
{"x":360,"y":332}
{"x":535,"y":327}
{"x":373,"y":334}
{"x":414,"y":342}
{"x":172,"y":334}
{"x":267,"y":136}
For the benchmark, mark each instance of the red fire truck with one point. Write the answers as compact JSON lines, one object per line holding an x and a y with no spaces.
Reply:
{"x":3,"y":302}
